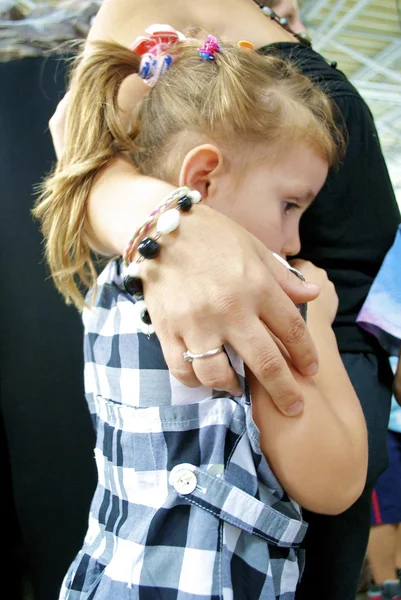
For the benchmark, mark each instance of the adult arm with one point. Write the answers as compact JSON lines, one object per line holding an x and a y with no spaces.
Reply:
{"x":223,"y":280}
{"x":216,"y":283}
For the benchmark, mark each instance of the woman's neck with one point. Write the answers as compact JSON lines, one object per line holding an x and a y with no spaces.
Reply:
{"x":230,"y":20}
{"x":233,"y":20}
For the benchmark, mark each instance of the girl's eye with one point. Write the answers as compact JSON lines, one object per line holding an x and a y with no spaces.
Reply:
{"x":288,"y":206}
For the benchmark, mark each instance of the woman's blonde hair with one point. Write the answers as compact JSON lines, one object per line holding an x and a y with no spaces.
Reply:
{"x":241,"y":96}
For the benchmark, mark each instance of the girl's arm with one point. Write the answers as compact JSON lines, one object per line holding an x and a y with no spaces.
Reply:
{"x":320,"y":458}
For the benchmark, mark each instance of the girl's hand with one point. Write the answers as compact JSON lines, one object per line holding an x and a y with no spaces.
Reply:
{"x":324,"y":308}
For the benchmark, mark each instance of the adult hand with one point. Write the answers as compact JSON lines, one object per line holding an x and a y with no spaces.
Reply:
{"x":131,"y":92}
{"x":215,"y":283}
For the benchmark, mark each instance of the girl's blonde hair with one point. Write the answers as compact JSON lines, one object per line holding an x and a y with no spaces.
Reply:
{"x":239,"y":97}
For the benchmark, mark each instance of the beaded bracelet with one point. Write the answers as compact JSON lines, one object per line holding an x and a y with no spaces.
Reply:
{"x":149,"y":247}
{"x":166,"y":203}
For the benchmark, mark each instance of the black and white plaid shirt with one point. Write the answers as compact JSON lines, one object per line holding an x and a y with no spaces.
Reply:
{"x":186,"y":506}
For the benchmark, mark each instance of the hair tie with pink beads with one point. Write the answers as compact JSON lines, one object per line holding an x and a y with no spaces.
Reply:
{"x":209,"y":48}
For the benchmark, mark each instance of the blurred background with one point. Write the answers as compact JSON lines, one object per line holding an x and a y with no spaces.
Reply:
{"x":364,"y":38}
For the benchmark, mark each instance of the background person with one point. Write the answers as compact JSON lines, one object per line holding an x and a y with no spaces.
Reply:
{"x":381,"y":316}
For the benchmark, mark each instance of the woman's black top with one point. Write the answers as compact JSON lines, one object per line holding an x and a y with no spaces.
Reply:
{"x":352,"y":223}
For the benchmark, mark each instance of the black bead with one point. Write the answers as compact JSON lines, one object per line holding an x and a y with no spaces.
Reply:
{"x":149,"y":248}
{"x":184,"y":203}
{"x":133,"y":285}
{"x":145,"y":317}
{"x":333,"y":64}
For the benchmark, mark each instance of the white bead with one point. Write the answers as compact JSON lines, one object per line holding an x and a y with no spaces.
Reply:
{"x":168,"y":221}
{"x":267,"y":11}
{"x":195,"y":196}
{"x":133,"y":269}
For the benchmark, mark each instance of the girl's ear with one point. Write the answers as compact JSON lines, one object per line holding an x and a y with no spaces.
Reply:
{"x":200,"y":168}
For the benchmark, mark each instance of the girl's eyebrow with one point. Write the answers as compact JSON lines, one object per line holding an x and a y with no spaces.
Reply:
{"x":309,"y":195}
{"x":305,"y":194}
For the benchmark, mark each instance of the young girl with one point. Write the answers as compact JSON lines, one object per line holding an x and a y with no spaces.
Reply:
{"x":199,"y":490}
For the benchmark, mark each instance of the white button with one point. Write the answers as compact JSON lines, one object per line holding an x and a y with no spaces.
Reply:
{"x":216,"y":470}
{"x":183,"y":479}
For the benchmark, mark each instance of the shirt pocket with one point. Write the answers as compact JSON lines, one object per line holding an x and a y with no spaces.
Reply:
{"x":236,"y":507}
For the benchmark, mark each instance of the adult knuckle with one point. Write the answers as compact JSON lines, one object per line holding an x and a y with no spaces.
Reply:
{"x":181,"y":373}
{"x":257,"y":279}
{"x":225,"y":304}
{"x":214,"y":377}
{"x":269,"y":366}
{"x":214,"y":380}
{"x":263,"y":291}
{"x":286,"y":398}
{"x":296,"y":331}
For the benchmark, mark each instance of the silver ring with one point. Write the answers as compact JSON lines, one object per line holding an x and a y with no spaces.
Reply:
{"x":289,"y":267}
{"x":189,"y":356}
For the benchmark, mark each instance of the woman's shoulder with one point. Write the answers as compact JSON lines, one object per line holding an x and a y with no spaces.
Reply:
{"x":317,"y":67}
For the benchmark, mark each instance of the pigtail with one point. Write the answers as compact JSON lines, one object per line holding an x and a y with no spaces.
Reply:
{"x":93,"y":135}
{"x":232,"y":94}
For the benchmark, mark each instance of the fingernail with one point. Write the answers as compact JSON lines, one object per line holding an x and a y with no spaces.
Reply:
{"x":295,"y":409}
{"x":311,"y":370}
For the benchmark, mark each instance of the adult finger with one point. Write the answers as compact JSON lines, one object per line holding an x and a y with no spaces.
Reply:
{"x":173,"y":350}
{"x":213,"y":372}
{"x":284,"y":320}
{"x":132,"y":91}
{"x":262,"y":355}
{"x":299,"y":291}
